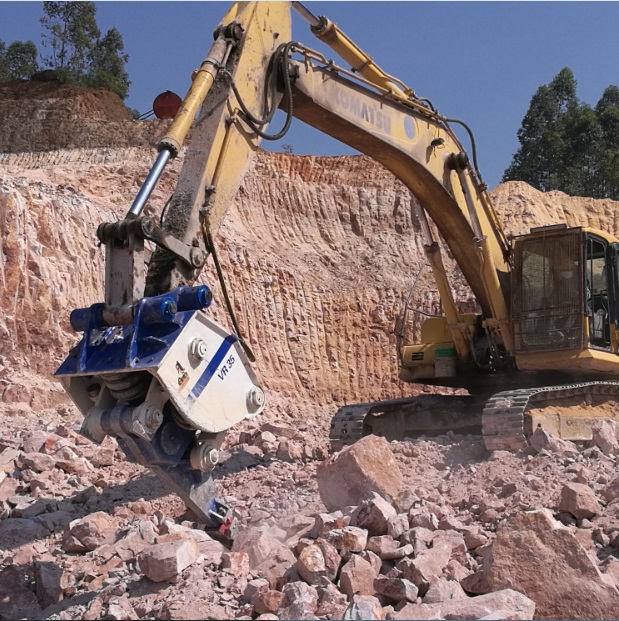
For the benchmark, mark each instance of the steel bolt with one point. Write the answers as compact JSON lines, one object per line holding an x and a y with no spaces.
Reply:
{"x":153,"y":418}
{"x":197,"y":257}
{"x":93,"y":390}
{"x":198,"y":348}
{"x":204,"y":457}
{"x":255,"y":398}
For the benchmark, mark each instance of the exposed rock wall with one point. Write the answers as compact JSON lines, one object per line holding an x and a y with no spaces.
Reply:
{"x":319,"y":255}
{"x":45,"y":116}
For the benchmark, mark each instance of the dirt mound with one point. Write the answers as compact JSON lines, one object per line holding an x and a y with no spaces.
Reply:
{"x":45,"y":100}
{"x":47,"y":116}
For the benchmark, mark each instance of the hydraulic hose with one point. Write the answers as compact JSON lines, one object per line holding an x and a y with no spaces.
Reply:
{"x":280,"y":63}
{"x":473,"y":145}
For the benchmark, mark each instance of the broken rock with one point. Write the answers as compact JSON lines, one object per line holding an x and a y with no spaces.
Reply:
{"x":357,"y":472}
{"x":606,"y":436}
{"x":357,"y":577}
{"x":443,"y":590}
{"x":39,"y":462}
{"x":311,"y":564}
{"x":373,"y":515}
{"x":364,"y":607}
{"x":93,"y":531}
{"x":49,"y":580}
{"x":505,"y":604}
{"x":331,"y":601}
{"x":348,"y":538}
{"x":259,"y":546}
{"x":324,"y":522}
{"x":542,"y":440}
{"x":163,"y":561}
{"x":300,"y":601}
{"x":265,"y":602}
{"x":237,"y":563}
{"x":579,"y":500}
{"x":396,"y":589}
{"x":533,"y":545}
{"x":426,"y":567}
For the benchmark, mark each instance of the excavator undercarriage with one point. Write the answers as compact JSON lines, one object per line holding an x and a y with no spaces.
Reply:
{"x":505,"y":420}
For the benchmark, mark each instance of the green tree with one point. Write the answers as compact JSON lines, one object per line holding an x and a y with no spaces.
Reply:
{"x":71,"y":33}
{"x":21,"y":59}
{"x":607,"y":110}
{"x":539,"y":160}
{"x":107,"y":67}
{"x":579,"y":165}
{"x":77,"y":50}
{"x":4,"y":68}
{"x":567,"y":145}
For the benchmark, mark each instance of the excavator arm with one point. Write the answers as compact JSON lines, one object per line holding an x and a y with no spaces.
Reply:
{"x":152,"y":369}
{"x":419,"y":148}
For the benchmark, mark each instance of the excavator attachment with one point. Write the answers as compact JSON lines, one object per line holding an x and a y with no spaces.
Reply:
{"x":166,"y":384}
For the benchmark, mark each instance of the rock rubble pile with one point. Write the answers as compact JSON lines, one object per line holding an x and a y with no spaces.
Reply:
{"x":457,"y":534}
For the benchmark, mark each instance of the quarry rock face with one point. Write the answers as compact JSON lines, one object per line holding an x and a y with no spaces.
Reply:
{"x":294,"y":274}
{"x":46,"y":116}
{"x":318,"y":254}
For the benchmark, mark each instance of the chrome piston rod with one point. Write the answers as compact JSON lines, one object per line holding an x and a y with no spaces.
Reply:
{"x":149,"y":183}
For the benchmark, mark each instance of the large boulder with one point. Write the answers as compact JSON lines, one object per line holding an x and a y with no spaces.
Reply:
{"x":538,"y":556}
{"x":163,"y":561}
{"x":357,"y":472}
{"x":579,"y":500}
{"x":267,"y":554}
{"x":357,"y":577}
{"x":606,"y":436}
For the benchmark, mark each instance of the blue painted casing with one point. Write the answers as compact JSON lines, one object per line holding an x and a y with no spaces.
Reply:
{"x":140,"y":345}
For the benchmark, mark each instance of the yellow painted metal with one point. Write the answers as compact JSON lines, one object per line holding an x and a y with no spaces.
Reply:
{"x":419,"y":360}
{"x":614,"y":338}
{"x":500,"y":311}
{"x":204,"y":77}
{"x":202,"y":82}
{"x":581,"y":363}
{"x":605,"y":235}
{"x":360,"y":62}
{"x":459,"y":329}
{"x":222,"y":145}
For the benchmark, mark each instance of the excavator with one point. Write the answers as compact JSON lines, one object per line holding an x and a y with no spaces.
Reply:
{"x":155,"y":371}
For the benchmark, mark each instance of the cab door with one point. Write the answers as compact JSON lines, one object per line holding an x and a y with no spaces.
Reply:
{"x":599,"y":281}
{"x":613,"y":295}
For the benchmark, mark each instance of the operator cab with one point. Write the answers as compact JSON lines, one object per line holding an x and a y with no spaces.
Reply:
{"x":565,"y":286}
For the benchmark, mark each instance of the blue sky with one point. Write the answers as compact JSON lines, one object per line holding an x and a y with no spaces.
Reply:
{"x":477,"y":61}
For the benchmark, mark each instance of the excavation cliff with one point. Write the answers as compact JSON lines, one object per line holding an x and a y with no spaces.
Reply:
{"x":319,"y":255}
